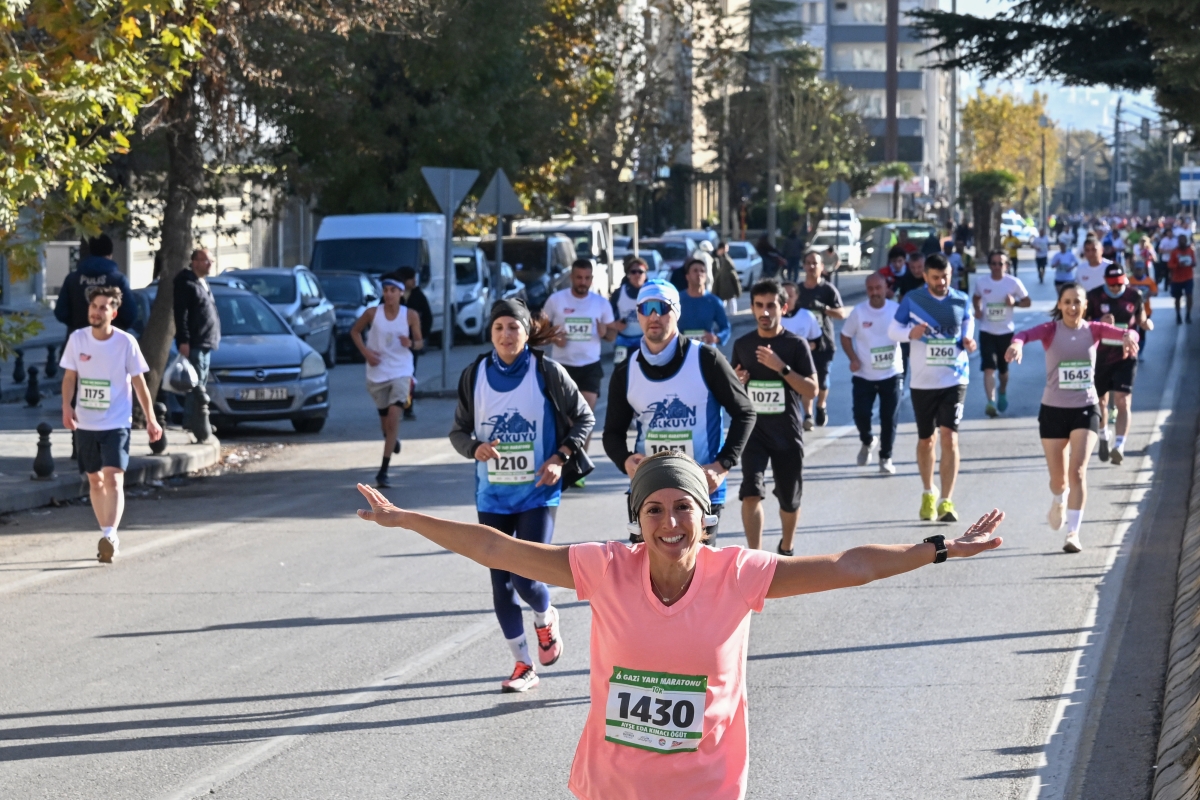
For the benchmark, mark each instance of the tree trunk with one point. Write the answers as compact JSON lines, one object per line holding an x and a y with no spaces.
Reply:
{"x":185,"y":180}
{"x":896,"y":199}
{"x":981,"y":210}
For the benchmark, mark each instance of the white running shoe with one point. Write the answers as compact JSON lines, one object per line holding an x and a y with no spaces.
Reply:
{"x":1055,"y":517}
{"x":107,"y":549}
{"x":1117,"y":455}
{"x":864,"y":455}
{"x":886,"y":466}
{"x":523,"y":679}
{"x":1072,"y":545}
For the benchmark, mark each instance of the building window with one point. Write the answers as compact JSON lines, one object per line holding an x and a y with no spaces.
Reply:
{"x":870,"y":104}
{"x":812,"y":13}
{"x":859,"y":57}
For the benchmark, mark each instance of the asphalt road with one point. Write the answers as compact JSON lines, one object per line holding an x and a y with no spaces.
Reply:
{"x":256,"y":640}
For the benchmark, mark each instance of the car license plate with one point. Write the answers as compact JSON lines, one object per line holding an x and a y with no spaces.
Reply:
{"x":262,"y":394}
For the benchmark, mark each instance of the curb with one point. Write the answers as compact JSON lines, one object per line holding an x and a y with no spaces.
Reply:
{"x":1178,"y":769}
{"x":142,"y":469}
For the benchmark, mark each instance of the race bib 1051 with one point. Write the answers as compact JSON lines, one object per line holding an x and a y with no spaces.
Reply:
{"x":657,"y":711}
{"x":678,"y":441}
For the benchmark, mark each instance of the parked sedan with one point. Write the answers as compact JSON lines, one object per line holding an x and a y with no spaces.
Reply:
{"x":296,"y":294}
{"x":262,"y":370}
{"x":747,"y":262}
{"x":351,"y":293}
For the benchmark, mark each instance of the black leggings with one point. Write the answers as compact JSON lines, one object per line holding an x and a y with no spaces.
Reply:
{"x":534,"y":525}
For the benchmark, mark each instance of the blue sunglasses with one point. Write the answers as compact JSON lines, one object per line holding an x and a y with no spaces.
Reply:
{"x":648,"y":307}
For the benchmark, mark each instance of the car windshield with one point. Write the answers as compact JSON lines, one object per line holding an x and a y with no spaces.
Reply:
{"x":342,"y":289}
{"x":465,"y":270}
{"x":375,"y":256}
{"x":278,"y":289}
{"x":247,"y":315}
{"x":738,"y":251}
{"x":826,"y":240}
{"x":671,"y":251}
{"x":522,"y":254}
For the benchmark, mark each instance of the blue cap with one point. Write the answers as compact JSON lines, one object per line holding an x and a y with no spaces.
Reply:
{"x":659,"y":290}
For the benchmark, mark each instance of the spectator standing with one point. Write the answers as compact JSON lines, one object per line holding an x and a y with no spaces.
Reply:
{"x":95,"y":271}
{"x":793,"y":251}
{"x":197,"y":334}
{"x":415,"y":299}
{"x":726,"y":284}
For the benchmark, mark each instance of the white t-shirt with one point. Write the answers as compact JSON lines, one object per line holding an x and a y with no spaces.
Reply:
{"x":1064,"y":265}
{"x":578,"y":317}
{"x":1091,"y":277}
{"x":803,"y":324}
{"x":878,"y":354}
{"x":105,"y":393}
{"x":1041,"y":246}
{"x":1066,"y":238}
{"x":997,"y":314}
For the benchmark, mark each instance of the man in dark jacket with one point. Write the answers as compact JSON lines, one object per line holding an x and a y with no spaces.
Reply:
{"x":98,"y":269}
{"x":415,"y":299}
{"x":197,"y":334}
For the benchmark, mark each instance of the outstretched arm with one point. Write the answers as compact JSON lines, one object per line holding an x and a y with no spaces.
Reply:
{"x":487,"y":546}
{"x":860,"y":565}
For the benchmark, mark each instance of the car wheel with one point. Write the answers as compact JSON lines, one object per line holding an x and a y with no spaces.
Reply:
{"x":222,"y":427}
{"x":330,"y":356}
{"x":308,"y":424}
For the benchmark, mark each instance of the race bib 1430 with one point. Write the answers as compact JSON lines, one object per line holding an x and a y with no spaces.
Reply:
{"x":657,"y":711}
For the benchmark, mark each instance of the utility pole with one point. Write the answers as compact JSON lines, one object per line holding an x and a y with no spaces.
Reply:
{"x":772,"y":153}
{"x":726,"y":227}
{"x":1083,"y":154}
{"x":1043,"y":123}
{"x":1116,"y":162}
{"x":891,"y":141}
{"x":952,"y":193}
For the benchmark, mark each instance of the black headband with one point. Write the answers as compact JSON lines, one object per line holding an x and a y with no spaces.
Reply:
{"x":511,"y":308}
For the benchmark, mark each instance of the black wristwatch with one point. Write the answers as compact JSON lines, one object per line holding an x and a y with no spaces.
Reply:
{"x":939,"y":542}
{"x":726,"y":463}
{"x":785,"y":371}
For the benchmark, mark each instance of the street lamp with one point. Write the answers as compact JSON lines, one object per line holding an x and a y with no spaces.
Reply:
{"x":1043,"y":123}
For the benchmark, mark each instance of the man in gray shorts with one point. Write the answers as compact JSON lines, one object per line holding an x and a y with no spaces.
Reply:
{"x":103,"y":367}
{"x":395,"y":332}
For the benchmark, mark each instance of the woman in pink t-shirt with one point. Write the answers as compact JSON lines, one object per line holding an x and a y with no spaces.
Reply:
{"x":670,"y":626}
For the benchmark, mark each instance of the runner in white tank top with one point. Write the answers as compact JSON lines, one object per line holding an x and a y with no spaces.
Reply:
{"x":391,"y":340}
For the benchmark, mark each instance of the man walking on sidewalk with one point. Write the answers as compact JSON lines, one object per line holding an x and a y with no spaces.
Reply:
{"x":106,"y":367}
{"x":394,"y":335}
{"x":197,"y":334}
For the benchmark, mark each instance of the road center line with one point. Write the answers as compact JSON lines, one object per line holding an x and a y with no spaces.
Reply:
{"x":1054,"y":772}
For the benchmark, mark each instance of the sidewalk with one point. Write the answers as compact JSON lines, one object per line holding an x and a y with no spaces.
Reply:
{"x":53,"y":333}
{"x":852,"y":286}
{"x":18,"y":446}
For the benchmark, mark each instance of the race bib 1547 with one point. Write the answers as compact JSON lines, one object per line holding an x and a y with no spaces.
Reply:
{"x":657,"y":711}
{"x":579,"y":329}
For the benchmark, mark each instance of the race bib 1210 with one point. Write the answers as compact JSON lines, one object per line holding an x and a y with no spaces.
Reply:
{"x":513,"y":464}
{"x":657,"y":711}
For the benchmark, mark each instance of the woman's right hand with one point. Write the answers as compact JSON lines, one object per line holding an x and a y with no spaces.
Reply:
{"x":382,"y":511}
{"x":487,"y":451}
{"x":1013,"y":353}
{"x":975,"y":540}
{"x":373,"y":358}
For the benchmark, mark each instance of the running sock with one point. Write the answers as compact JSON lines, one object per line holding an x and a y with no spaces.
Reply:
{"x":108,"y":532}
{"x":520,"y":649}
{"x":1119,"y":443}
{"x":1074,"y":519}
{"x":1060,"y":498}
{"x":542,"y":618}
{"x":384,"y":466}
{"x":1104,"y":434}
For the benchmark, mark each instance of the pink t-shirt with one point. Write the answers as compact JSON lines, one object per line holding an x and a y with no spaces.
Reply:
{"x":705,"y":634}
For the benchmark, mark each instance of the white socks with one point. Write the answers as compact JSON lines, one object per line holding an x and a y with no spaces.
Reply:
{"x":1104,"y":434}
{"x":542,"y":618}
{"x":109,"y":533}
{"x":1060,"y":498}
{"x":1119,"y":443}
{"x":1074,"y":520}
{"x":520,"y":649}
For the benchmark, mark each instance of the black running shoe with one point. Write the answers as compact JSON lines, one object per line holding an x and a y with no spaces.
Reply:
{"x":396,"y":449}
{"x":381,"y":481}
{"x":820,"y":417}
{"x":779,"y":549}
{"x":1104,"y":449}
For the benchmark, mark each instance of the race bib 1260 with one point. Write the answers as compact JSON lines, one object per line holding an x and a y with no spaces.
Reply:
{"x":1075,"y":375}
{"x":941,"y":352}
{"x":767,"y":396}
{"x":514,"y":464}
{"x":678,"y":441}
{"x":657,"y":711}
{"x":95,"y":394}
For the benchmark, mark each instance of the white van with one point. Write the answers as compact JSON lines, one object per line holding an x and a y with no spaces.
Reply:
{"x":844,"y":219}
{"x":379,"y":243}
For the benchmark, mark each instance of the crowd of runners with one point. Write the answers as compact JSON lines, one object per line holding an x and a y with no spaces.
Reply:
{"x":525,"y":413}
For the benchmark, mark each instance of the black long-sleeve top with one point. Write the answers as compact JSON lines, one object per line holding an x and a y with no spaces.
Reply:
{"x":718,"y":376}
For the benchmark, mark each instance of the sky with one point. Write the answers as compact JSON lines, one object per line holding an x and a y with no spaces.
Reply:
{"x":1088,"y":108}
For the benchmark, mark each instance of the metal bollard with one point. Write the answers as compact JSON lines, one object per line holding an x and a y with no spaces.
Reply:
{"x":33,"y":394}
{"x":160,"y":413}
{"x":51,"y":362}
{"x":43,"y":462}
{"x":19,"y":368}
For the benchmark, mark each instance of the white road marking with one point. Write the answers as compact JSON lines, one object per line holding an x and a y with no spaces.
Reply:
{"x":1054,"y":775}
{"x":203,"y":782}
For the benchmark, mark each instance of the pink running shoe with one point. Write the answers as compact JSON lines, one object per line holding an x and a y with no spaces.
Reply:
{"x":523,"y":679}
{"x":550,"y":646}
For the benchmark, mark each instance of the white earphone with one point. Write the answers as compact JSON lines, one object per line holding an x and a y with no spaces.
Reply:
{"x":635,"y":528}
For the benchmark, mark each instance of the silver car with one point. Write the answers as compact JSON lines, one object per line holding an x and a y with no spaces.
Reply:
{"x":746,"y":261}
{"x":262,"y":371}
{"x":297,"y":295}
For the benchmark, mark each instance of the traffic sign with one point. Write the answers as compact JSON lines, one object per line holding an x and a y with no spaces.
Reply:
{"x":499,"y":198}
{"x":839,"y":193}
{"x":449,"y":186}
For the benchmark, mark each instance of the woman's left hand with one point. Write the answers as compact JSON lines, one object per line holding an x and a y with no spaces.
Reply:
{"x":550,"y":472}
{"x":1130,"y":346}
{"x":975,"y":540}
{"x":382,"y":511}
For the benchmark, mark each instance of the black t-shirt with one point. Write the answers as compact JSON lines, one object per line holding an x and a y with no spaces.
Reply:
{"x":776,"y":427}
{"x":1124,"y":308}
{"x":823,"y":292}
{"x":906,"y":283}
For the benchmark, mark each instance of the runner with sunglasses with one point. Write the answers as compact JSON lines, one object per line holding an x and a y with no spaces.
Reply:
{"x":675,"y":389}
{"x":624,"y":331}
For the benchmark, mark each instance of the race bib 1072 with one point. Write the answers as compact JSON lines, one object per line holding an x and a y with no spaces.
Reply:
{"x":657,"y":711}
{"x":767,"y":396}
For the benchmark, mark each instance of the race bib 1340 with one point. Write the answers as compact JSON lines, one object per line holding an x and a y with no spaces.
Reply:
{"x":657,"y":711}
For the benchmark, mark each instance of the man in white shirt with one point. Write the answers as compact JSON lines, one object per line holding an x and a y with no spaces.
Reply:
{"x":1041,"y":253}
{"x":102,"y":368}
{"x":1065,"y":264}
{"x":1091,"y":271}
{"x":583,"y":318}
{"x":995,"y":296}
{"x":877,"y":370}
{"x":800,"y":321}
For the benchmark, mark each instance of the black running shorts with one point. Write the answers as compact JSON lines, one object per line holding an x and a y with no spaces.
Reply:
{"x":938,"y":408}
{"x":1115,"y":376}
{"x":786,"y":465}
{"x":587,"y":377}
{"x":1057,"y":423}
{"x":992,"y":347}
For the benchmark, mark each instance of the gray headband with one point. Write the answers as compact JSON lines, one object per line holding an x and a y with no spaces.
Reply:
{"x":511,"y":308}
{"x":668,"y":470}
